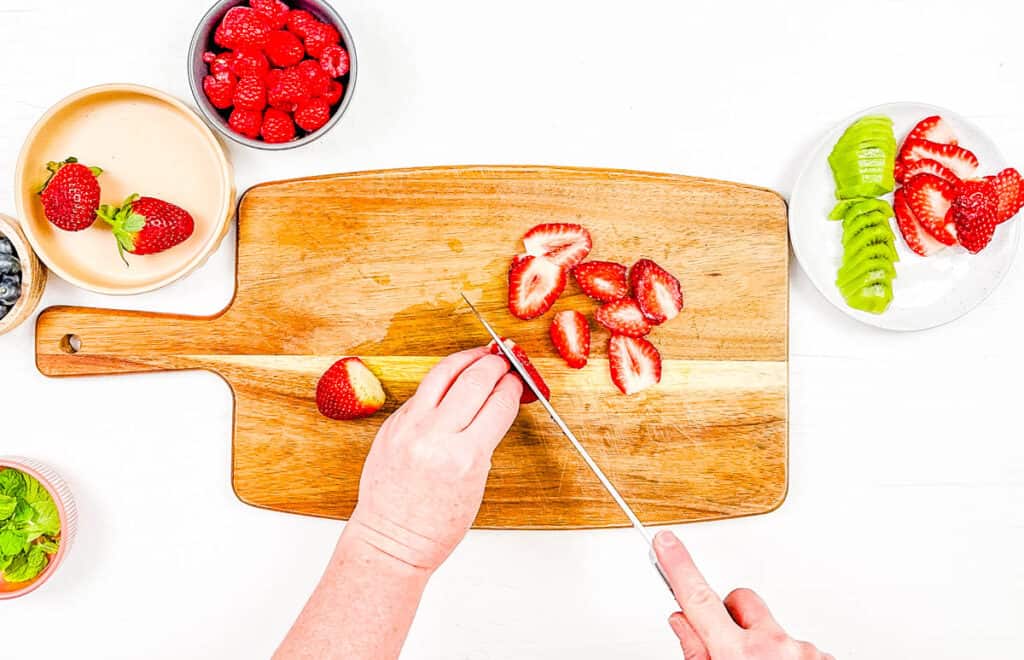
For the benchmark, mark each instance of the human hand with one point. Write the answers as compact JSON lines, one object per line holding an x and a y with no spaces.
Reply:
{"x":424,"y":478}
{"x":708,"y":628}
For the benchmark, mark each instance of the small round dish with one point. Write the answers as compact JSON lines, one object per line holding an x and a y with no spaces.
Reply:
{"x":202,"y":40}
{"x":928,"y":291}
{"x":67,"y":510}
{"x":146,"y":142}
{"x":33,"y":276}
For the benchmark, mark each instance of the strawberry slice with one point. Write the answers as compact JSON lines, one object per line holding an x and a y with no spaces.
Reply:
{"x":623,"y":317}
{"x":657,"y":291}
{"x":962,"y":162}
{"x":570,"y":333}
{"x":1009,"y":187}
{"x":974,"y":213}
{"x":561,"y":243}
{"x":907,"y":171}
{"x":929,"y":198}
{"x":914,"y":234}
{"x":602,"y":280}
{"x":634,"y":362}
{"x":935,"y":129}
{"x":524,"y":359}
{"x":534,"y":284}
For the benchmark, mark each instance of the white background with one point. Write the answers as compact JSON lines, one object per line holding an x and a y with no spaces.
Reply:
{"x":903,"y":531}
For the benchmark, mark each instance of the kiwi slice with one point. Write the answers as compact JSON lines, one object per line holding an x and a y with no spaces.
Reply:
{"x":877,"y":235}
{"x":852,"y":263}
{"x":839,"y":211}
{"x":858,"y":269}
{"x":862,"y":222}
{"x":873,"y":299}
{"x":867,"y":205}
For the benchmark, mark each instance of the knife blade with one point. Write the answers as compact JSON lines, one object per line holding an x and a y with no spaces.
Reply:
{"x":560,"y":423}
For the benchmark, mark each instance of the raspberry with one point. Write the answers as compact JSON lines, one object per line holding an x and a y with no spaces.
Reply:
{"x":335,"y":90}
{"x":249,"y":62}
{"x":277,"y":127}
{"x":315,"y":76}
{"x":299,"y":22}
{"x":284,"y":49}
{"x":242,"y":27}
{"x":219,"y":63}
{"x":320,"y":36}
{"x":289,"y":91}
{"x":274,"y":11}
{"x":246,"y":122}
{"x":313,"y":114}
{"x":250,"y":93}
{"x":334,"y":61}
{"x":220,"y":89}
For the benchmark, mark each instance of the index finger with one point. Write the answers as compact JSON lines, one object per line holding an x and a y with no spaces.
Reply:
{"x":701,"y":605}
{"x":436,"y":383}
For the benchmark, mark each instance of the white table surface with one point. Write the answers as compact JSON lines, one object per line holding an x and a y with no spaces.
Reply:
{"x":903,"y":530}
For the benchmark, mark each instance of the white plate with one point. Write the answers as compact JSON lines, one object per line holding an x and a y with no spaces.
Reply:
{"x":928,"y":291}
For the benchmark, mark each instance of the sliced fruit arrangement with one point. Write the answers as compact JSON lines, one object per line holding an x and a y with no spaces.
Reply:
{"x":349,"y":390}
{"x":10,"y":277}
{"x":570,"y":333}
{"x":276,"y":73}
{"x":863,"y":165}
{"x":942,"y":202}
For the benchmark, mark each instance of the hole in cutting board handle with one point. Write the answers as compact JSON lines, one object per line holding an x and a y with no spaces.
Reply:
{"x":71,"y":344}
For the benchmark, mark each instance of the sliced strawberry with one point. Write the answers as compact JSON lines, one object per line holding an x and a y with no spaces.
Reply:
{"x":634,"y":362}
{"x":534,"y":284}
{"x":623,"y":317}
{"x":570,"y":333}
{"x":963,"y":163}
{"x":564,"y":244}
{"x":929,"y":198}
{"x":602,"y":280}
{"x":524,"y":359}
{"x":907,"y":171}
{"x":1009,"y":188}
{"x":974,"y":211}
{"x":656,"y":290}
{"x":914,"y":234}
{"x":933,"y":128}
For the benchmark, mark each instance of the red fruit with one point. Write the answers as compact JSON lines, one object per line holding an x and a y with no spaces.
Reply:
{"x":219,"y":63}
{"x":906,"y":172}
{"x":246,"y":122}
{"x":316,"y":78}
{"x":277,"y":127}
{"x":335,"y":90}
{"x":914,"y":234}
{"x":563,"y":244}
{"x":300,"y":21}
{"x":1009,"y":188}
{"x":929,"y":198}
{"x":242,"y":27}
{"x":974,"y":213}
{"x":318,"y":37}
{"x":534,"y":284}
{"x":602,"y":280}
{"x":656,"y":290}
{"x":962,"y":162}
{"x":250,"y":94}
{"x":284,"y":49}
{"x":623,"y":317}
{"x":634,"y":362}
{"x":524,"y":359}
{"x":349,"y":390}
{"x":313,"y":114}
{"x":220,"y":89}
{"x":334,"y":61}
{"x":274,"y":11}
{"x":146,"y":225}
{"x":570,"y":333}
{"x":935,"y":129}
{"x":248,"y":62}
{"x":273,"y":78}
{"x":289,"y":90}
{"x":71,"y":195}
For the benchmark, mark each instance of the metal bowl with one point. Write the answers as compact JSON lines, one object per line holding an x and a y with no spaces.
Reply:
{"x":202,"y":41}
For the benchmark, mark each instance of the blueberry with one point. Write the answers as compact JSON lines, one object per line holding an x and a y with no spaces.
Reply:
{"x":3,"y":311}
{"x":9,"y":264}
{"x":10,"y":289}
{"x":5,"y":246}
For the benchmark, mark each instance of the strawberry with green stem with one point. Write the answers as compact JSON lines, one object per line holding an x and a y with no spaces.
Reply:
{"x":147,"y":225}
{"x":71,"y":194}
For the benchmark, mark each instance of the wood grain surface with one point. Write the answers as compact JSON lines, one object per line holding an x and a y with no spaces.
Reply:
{"x":372,"y":264}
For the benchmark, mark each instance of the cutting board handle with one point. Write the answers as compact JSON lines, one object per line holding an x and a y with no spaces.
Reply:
{"x":80,"y":341}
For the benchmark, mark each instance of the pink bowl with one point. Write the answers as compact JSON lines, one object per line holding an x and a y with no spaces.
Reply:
{"x":61,"y":494}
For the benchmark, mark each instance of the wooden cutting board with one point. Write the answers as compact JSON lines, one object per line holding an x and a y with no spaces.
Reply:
{"x":372,"y":264}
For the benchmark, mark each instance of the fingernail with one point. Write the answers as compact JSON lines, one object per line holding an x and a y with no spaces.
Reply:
{"x":667,"y":540}
{"x":676,"y":622}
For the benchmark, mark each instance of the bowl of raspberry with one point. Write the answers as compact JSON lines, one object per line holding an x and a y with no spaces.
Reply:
{"x":272,"y":74}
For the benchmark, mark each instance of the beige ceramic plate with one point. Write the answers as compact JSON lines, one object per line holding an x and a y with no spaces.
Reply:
{"x":146,"y":142}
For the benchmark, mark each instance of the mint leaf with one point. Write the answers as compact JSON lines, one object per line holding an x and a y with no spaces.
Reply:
{"x":11,"y":482}
{"x":45,"y":521}
{"x":8,"y":503}
{"x":49,"y":546}
{"x":12,"y":541}
{"x":26,"y":566}
{"x":5,"y":562}
{"x":34,"y":491}
{"x":23,"y":512}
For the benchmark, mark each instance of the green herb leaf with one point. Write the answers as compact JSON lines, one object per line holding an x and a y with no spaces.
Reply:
{"x":23,"y":513}
{"x":11,"y":482}
{"x":45,"y":521}
{"x":49,"y":546}
{"x":27,"y":565}
{"x":34,"y":491}
{"x":12,"y":541}
{"x":8,"y":504}
{"x":5,"y":562}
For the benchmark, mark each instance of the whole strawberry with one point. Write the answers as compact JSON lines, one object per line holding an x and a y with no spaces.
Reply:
{"x":71,"y":195}
{"x":147,"y":225}
{"x":974,"y":211}
{"x":242,"y":27}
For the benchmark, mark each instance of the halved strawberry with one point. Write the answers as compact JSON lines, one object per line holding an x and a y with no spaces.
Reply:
{"x":634,"y":362}
{"x":570,"y":333}
{"x":907,"y":171}
{"x":656,"y":290}
{"x":602,"y":280}
{"x":349,"y":390}
{"x":524,"y":359}
{"x":963,"y":163}
{"x":914,"y":234}
{"x":1009,"y":188}
{"x":974,"y":213}
{"x":561,"y":243}
{"x":534,"y":284}
{"x":933,"y":128}
{"x":623,"y":317}
{"x":929,"y":198}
